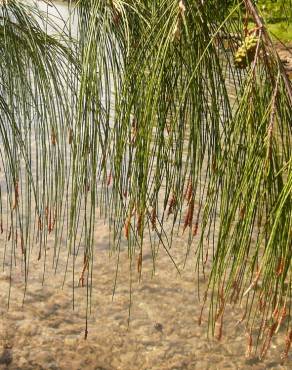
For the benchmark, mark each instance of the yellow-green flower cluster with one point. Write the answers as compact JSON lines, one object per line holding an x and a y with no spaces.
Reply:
{"x":245,"y":53}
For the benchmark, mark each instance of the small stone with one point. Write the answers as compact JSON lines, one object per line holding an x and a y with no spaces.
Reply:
{"x":22,"y":362}
{"x":6,"y":357}
{"x":158,"y":327}
{"x":70,"y":341}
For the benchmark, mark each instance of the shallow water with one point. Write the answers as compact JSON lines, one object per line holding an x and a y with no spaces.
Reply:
{"x":163,"y":333}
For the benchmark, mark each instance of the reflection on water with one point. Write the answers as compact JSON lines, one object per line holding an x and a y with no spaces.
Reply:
{"x":163,"y":333}
{"x":60,"y":13}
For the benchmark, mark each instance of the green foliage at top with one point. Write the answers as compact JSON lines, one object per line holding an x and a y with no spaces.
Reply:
{"x":277,"y":15}
{"x":275,"y":10}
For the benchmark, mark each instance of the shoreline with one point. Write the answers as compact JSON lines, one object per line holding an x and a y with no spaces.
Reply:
{"x":285,"y":53}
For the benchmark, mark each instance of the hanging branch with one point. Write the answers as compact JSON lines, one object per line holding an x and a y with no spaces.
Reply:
{"x":261,"y":25}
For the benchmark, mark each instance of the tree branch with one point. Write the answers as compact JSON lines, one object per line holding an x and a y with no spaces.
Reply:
{"x":260,"y":23}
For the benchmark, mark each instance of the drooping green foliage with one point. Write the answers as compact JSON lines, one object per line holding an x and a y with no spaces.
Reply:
{"x":35,"y":117}
{"x":162,"y":133}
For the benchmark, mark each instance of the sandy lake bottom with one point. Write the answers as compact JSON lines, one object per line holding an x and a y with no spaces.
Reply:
{"x":163,"y":334}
